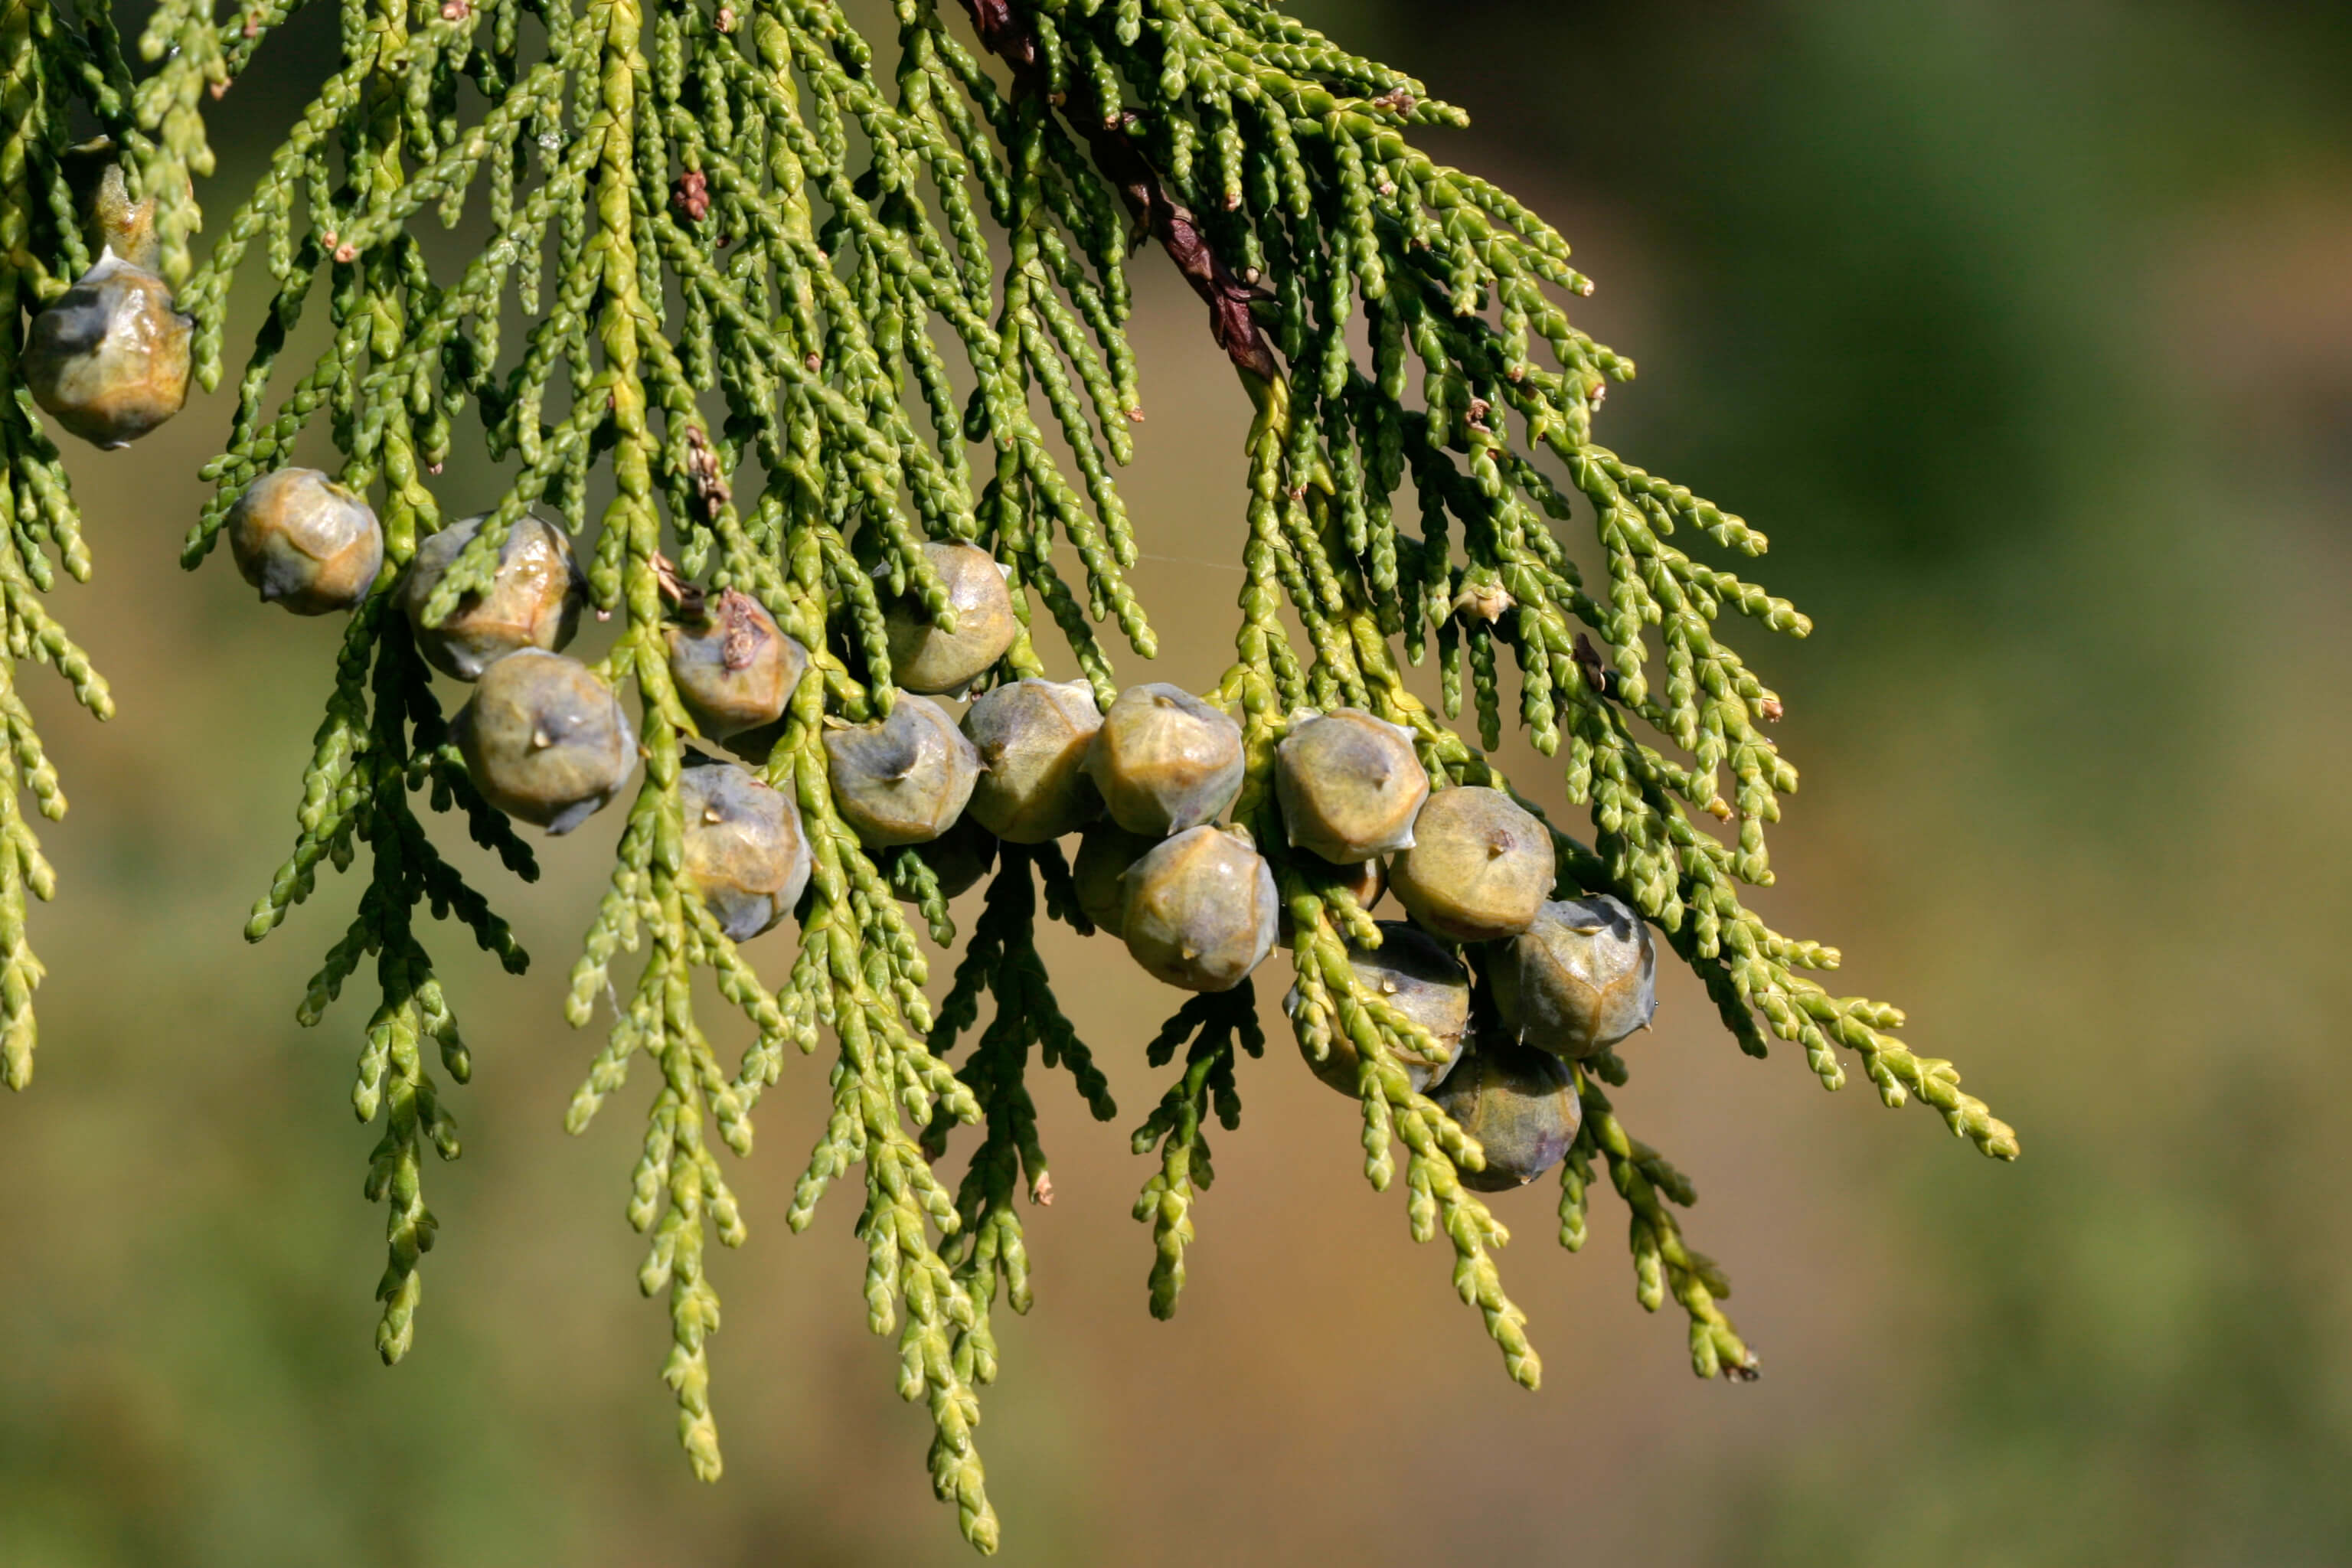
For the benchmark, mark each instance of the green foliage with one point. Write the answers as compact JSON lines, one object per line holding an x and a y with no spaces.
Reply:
{"x":779,"y":287}
{"x":55,"y":81}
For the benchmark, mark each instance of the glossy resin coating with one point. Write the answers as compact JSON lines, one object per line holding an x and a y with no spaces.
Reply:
{"x":1350,"y":785}
{"x":923,"y":658}
{"x":1201,"y":909}
{"x":1479,"y":866}
{"x":306,"y":541}
{"x":1033,"y":738}
{"x":1521,"y":1105}
{"x":734,"y":668}
{"x":904,"y":779}
{"x":545,"y":741}
{"x":1164,"y":760}
{"x":534,"y":599}
{"x":1413,"y":973}
{"x":1584,"y":975}
{"x":108,"y":359}
{"x":746,"y":854}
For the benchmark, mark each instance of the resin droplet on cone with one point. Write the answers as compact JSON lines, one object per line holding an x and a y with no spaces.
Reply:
{"x":746,"y":854}
{"x":108,"y":359}
{"x":1479,"y":868}
{"x":1164,"y":760}
{"x":904,"y":779}
{"x":1521,"y":1105}
{"x":1201,"y":909}
{"x":534,"y":599}
{"x":1411,"y":973}
{"x":306,"y":541}
{"x":1584,"y":975}
{"x":545,"y":741}
{"x":923,"y":657}
{"x":733,"y":667}
{"x":1350,"y":785}
{"x":1033,"y":738}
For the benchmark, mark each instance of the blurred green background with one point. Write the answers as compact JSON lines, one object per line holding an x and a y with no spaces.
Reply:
{"x":2025,"y":329}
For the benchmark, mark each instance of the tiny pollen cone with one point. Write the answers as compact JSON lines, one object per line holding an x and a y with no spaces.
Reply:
{"x":1489,"y":601}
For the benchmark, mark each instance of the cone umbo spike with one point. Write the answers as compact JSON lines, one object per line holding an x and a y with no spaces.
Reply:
{"x":733,"y":668}
{"x":534,"y":600}
{"x":1200,"y":909}
{"x":1413,"y":973}
{"x":1033,"y":738}
{"x":1581,"y":977}
{"x":904,"y":779}
{"x":108,"y":360}
{"x":545,"y":741}
{"x":1164,"y":760}
{"x":1350,"y":785}
{"x":1479,"y":866}
{"x":926,"y":660}
{"x":1521,"y":1105}
{"x":307,"y":542}
{"x":745,"y":852}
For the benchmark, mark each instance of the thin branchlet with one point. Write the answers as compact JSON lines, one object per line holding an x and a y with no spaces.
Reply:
{"x":54,"y":76}
{"x":797,"y":307}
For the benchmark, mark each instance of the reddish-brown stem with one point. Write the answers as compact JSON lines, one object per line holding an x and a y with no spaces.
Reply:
{"x":1169,"y":221}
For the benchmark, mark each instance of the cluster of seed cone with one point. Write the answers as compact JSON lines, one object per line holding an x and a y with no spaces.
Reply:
{"x":1144,"y":785}
{"x":548,"y":742}
{"x":545,"y":739}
